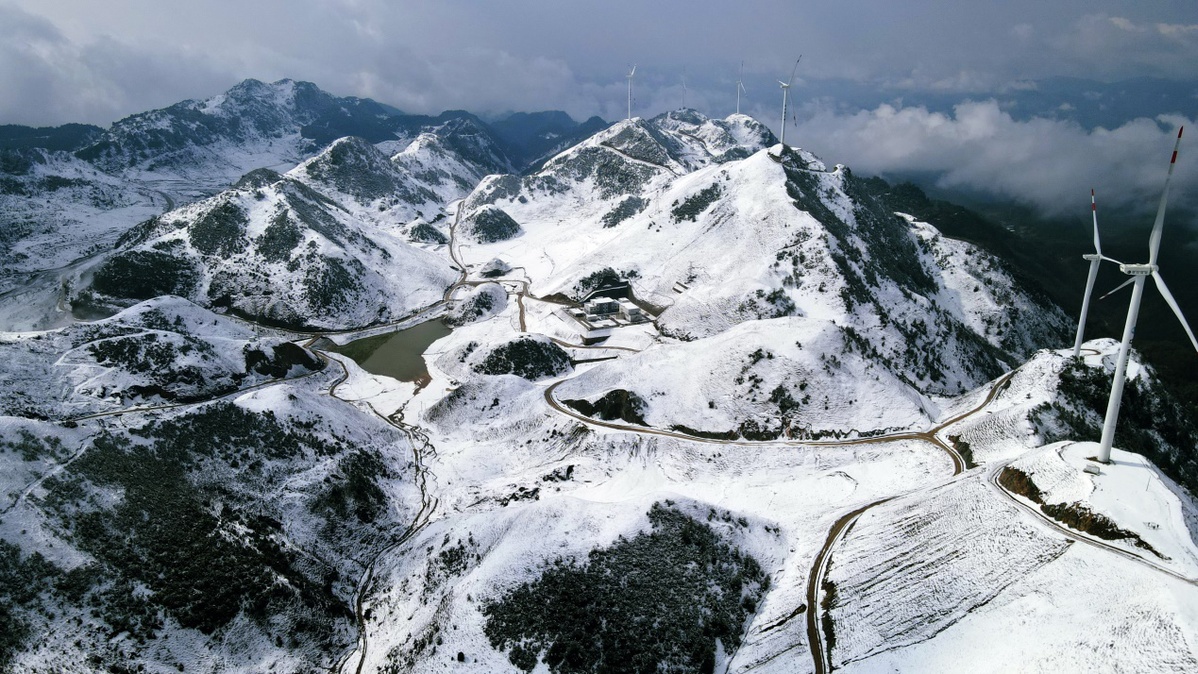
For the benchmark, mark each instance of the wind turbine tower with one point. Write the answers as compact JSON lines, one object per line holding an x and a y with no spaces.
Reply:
{"x":1095,"y":259}
{"x":785,"y":91}
{"x":629,"y":76}
{"x":1138,"y":273}
{"x":740,"y":86}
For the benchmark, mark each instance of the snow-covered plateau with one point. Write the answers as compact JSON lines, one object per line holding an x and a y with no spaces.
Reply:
{"x":705,"y":405}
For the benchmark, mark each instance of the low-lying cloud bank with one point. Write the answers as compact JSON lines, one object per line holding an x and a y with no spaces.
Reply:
{"x":1049,"y":164}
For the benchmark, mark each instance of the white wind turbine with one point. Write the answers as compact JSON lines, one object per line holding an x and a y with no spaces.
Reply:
{"x":740,"y":86}
{"x":1139,"y":272}
{"x":785,"y":91}
{"x":1095,"y":259}
{"x":629,"y":76}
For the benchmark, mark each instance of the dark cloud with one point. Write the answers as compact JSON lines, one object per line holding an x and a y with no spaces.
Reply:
{"x":49,"y":79}
{"x":527,"y":54}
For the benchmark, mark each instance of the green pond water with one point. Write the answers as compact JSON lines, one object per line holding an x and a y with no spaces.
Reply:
{"x":396,"y":354}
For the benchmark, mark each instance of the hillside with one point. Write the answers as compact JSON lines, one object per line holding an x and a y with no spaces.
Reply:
{"x":279,"y":251}
{"x":813,"y":243}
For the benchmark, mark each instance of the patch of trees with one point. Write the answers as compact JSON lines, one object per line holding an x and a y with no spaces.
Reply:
{"x":525,"y":357}
{"x":493,"y":224}
{"x":656,"y":602}
{"x":595,"y":280}
{"x":329,"y":282}
{"x":283,"y":357}
{"x":220,"y":231}
{"x":279,"y":238}
{"x":145,"y":274}
{"x":692,"y":206}
{"x":471,"y":309}
{"x":425,"y":233}
{"x":354,"y":490}
{"x":257,"y":179}
{"x":22,"y":580}
{"x":628,"y":207}
{"x":615,"y":404}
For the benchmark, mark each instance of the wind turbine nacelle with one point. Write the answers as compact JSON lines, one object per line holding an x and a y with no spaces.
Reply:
{"x":1138,"y":269}
{"x":1092,"y":256}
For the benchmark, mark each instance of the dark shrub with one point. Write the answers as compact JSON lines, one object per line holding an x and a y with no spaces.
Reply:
{"x":656,"y":602}
{"x":144,"y":274}
{"x":526,"y":358}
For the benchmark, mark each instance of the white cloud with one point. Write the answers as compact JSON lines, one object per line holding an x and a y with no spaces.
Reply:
{"x":1046,"y":163}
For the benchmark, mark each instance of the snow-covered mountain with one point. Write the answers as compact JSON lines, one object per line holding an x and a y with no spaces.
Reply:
{"x":195,"y":148}
{"x":841,"y":440}
{"x":279,"y":249}
{"x":718,"y":242}
{"x":69,"y":192}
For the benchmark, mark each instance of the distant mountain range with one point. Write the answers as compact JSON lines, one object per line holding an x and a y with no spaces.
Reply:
{"x":297,"y":114}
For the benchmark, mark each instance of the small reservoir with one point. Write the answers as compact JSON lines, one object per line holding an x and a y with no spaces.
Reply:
{"x":396,"y":354}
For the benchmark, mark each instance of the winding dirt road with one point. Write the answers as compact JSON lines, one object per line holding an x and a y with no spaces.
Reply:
{"x":815,"y":635}
{"x":421,"y":446}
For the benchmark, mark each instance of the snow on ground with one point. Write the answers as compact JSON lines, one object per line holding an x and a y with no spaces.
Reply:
{"x":1087,"y":611}
{"x":499,"y":466}
{"x":1131,"y":491}
{"x":777,"y":373}
{"x":155,"y":352}
{"x":911,"y":567}
{"x":926,"y":582}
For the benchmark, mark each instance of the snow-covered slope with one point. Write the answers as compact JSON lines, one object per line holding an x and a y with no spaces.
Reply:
{"x":761,"y":238}
{"x":357,"y":176}
{"x":761,"y":379}
{"x":224,"y":536}
{"x":432,"y":161}
{"x":55,"y":208}
{"x":275,"y":249}
{"x":164,"y":350}
{"x":194,"y":148}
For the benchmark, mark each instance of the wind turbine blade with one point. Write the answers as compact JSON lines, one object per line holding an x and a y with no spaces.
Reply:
{"x":1094,"y":212}
{"x":1154,"y":240}
{"x":1121,"y":286}
{"x":1160,"y":285}
{"x":784,"y":84}
{"x":1111,"y":259}
{"x":794,"y":70}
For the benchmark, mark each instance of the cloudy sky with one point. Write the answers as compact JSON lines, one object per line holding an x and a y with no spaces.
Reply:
{"x":968,"y":91}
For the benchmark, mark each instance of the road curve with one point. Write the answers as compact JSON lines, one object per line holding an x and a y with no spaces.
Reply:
{"x":1036,"y":514}
{"x":815,"y":632}
{"x":815,"y":636}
